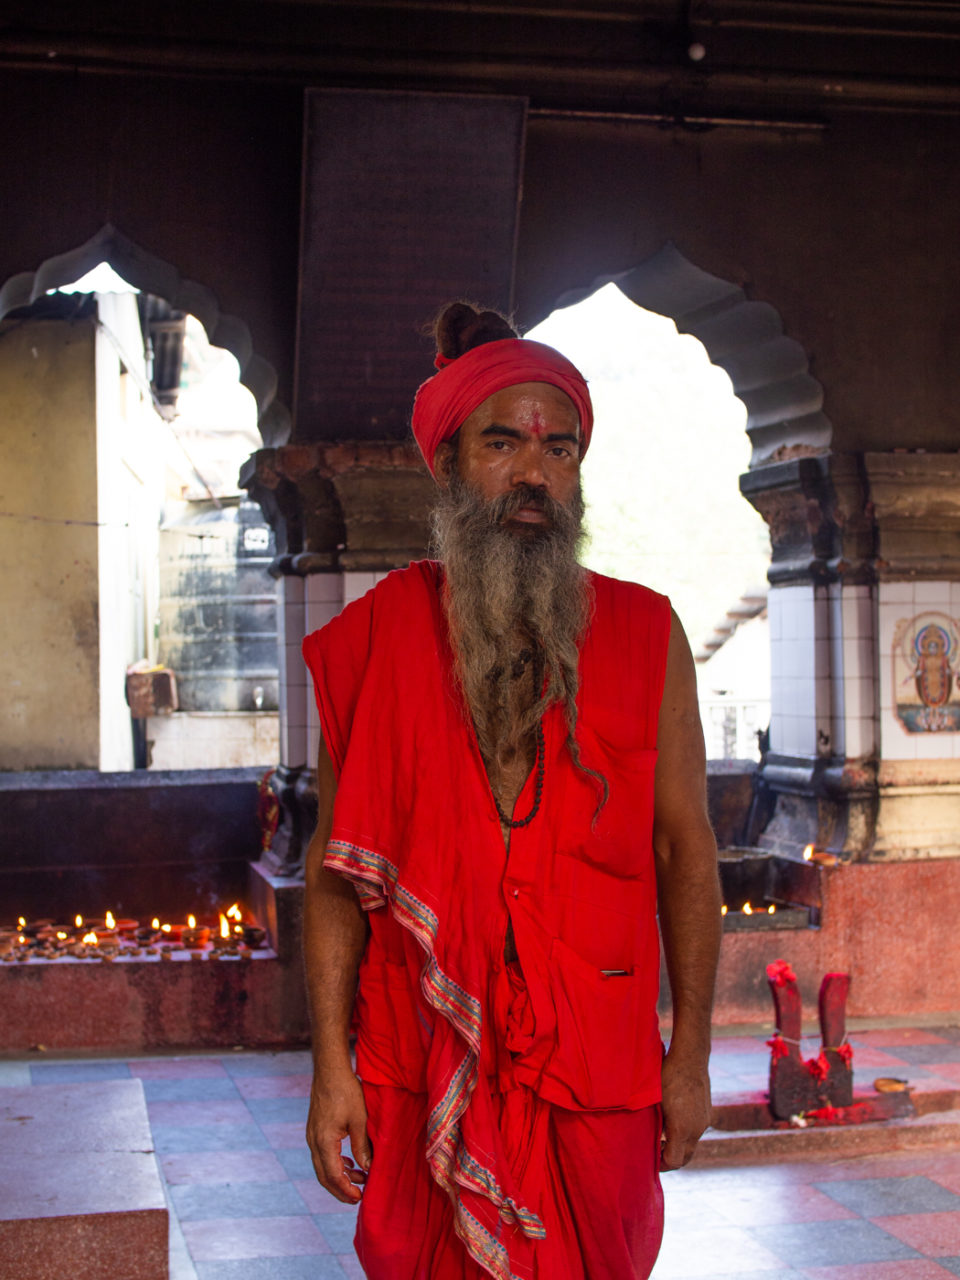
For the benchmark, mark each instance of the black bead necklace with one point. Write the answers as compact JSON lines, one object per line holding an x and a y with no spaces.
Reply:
{"x":513,"y":823}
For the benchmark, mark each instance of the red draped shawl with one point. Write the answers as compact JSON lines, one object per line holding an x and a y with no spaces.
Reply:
{"x":416,"y":830}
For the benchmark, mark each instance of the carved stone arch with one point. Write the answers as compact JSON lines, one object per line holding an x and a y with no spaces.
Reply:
{"x":152,"y":275}
{"x":769,"y":371}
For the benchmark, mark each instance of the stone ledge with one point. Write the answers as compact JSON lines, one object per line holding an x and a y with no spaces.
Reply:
{"x":80,"y":1194}
{"x":746,"y":1146}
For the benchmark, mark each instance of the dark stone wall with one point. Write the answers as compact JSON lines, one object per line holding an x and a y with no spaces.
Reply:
{"x":140,"y":843}
{"x":203,"y":174}
{"x":848,"y":231}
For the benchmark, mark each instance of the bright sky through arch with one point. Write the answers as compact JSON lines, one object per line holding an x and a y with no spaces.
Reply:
{"x":669,"y":445}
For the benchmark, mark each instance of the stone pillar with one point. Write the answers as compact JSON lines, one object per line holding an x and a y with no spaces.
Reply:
{"x":362,"y":510}
{"x":915,"y":499}
{"x":865,"y":633}
{"x":821,"y":763}
{"x":409,"y":200}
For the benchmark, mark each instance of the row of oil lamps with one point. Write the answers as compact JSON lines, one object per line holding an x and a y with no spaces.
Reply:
{"x":93,"y":938}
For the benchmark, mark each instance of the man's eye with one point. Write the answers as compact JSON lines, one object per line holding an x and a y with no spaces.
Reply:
{"x":560,"y":451}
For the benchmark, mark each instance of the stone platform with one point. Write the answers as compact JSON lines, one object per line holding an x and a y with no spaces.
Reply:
{"x":134,"y":1005}
{"x":80,"y":1193}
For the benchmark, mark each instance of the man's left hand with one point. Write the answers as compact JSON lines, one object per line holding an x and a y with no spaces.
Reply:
{"x":686,"y":1110}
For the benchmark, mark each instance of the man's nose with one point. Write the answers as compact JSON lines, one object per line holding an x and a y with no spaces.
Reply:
{"x":528,"y":468}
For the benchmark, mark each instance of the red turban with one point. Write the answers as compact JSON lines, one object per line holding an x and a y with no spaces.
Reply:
{"x":445,"y":401}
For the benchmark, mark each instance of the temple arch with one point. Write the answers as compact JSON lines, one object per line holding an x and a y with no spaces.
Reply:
{"x":152,"y":275}
{"x":769,"y":370}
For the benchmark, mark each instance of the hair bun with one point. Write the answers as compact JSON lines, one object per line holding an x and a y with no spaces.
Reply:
{"x":461,"y":326}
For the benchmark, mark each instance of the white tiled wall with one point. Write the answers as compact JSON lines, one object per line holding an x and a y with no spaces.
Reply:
{"x":904,"y":600}
{"x":293,"y":676}
{"x":303,"y":605}
{"x":857,"y":704}
{"x":794,"y":612}
{"x":823,"y":670}
{"x":310,"y":603}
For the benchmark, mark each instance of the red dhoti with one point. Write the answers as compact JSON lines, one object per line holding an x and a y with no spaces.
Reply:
{"x":593,"y":1176}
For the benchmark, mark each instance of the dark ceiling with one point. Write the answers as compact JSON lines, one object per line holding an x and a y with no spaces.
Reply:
{"x":661,"y":56}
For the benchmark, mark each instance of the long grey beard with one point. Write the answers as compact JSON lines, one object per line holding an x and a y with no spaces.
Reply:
{"x":506,"y":591}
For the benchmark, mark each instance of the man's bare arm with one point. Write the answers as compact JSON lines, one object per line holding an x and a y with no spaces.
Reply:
{"x":334,"y":937}
{"x":688,"y":892}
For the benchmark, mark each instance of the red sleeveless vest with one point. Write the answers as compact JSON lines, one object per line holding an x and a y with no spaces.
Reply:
{"x":416,"y":830}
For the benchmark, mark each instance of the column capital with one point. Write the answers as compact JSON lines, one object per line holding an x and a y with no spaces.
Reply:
{"x":915,"y":501}
{"x":361,"y":505}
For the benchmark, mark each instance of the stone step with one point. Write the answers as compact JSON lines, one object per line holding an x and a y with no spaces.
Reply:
{"x":940,"y":1129}
{"x":80,"y":1192}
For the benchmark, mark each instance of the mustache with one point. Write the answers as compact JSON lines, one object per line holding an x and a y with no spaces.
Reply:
{"x":525,"y":495}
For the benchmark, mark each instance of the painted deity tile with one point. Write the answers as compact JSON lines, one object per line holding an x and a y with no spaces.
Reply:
{"x":925,"y":653}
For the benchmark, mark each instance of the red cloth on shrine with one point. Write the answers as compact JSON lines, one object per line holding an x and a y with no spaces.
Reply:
{"x":416,"y":829}
{"x":445,"y":401}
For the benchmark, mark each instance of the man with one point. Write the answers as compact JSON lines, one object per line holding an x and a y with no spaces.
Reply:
{"x":511,"y":790}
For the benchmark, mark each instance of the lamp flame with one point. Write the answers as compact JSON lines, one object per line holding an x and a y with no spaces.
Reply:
{"x":155,"y":922}
{"x":191,"y":922}
{"x":90,"y":939}
{"x":165,"y":928}
{"x":747,"y":909}
{"x":723,"y":909}
{"x":109,"y":920}
{"x":808,"y":853}
{"x":772,"y":909}
{"x":21,"y":922}
{"x":235,"y":913}
{"x":61,"y":935}
{"x":78,"y":921}
{"x":224,"y":926}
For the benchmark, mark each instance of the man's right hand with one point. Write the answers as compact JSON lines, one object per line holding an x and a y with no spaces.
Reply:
{"x":337,"y":1111}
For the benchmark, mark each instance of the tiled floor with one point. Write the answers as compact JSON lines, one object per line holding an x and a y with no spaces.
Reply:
{"x":228,"y":1132}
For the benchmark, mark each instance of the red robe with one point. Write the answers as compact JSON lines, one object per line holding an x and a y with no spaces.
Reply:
{"x":528,"y":1092}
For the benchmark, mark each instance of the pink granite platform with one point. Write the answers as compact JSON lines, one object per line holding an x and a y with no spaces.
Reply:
{"x":137,"y":1005}
{"x":80,"y":1193}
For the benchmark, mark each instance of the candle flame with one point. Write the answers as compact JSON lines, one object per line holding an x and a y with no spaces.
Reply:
{"x":78,"y":921}
{"x":723,"y":909}
{"x":22,"y":939}
{"x":21,"y":922}
{"x":109,"y":920}
{"x":61,"y":935}
{"x":772,"y":909}
{"x":191,"y":922}
{"x":224,"y":926}
{"x":90,"y":939}
{"x":155,"y":922}
{"x":238,"y":928}
{"x":235,"y":912}
{"x":808,"y":853}
{"x":747,"y":909}
{"x":165,"y":928}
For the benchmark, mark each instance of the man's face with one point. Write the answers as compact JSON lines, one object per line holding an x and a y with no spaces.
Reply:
{"x":522,"y":440}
